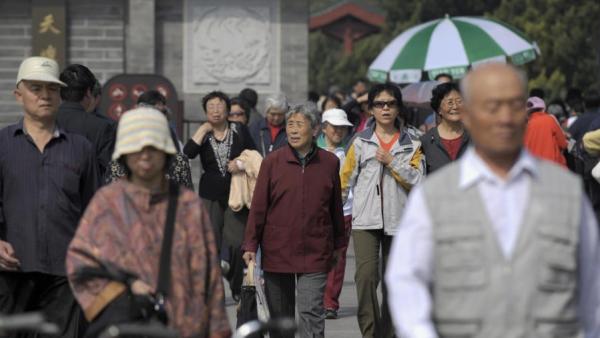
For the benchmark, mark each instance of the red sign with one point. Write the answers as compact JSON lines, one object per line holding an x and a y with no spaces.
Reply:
{"x":117,"y":92}
{"x":116,"y":110}
{"x":137,"y":90}
{"x":163,"y":90}
{"x":123,"y":91}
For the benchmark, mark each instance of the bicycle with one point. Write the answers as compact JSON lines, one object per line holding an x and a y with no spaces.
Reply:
{"x":255,"y":328}
{"x":30,"y":321}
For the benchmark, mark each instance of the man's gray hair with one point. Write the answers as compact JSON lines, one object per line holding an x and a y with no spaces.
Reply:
{"x":309,"y":110}
{"x":465,"y":84}
{"x":276,"y":101}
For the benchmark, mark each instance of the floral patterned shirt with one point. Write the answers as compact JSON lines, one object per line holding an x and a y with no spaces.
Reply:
{"x":124,"y":225}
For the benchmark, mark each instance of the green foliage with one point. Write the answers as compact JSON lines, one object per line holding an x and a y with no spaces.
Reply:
{"x":567,"y":32}
{"x":329,"y":66}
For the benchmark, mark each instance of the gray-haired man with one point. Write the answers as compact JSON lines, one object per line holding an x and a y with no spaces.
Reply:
{"x":498,"y":244}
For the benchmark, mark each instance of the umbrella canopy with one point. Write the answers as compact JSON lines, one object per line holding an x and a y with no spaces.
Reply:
{"x":418,"y":94}
{"x":450,"y":45}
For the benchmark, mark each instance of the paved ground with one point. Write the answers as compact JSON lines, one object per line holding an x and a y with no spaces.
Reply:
{"x":343,"y":327}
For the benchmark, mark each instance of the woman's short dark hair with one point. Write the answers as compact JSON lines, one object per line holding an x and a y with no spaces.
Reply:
{"x":392,"y":89}
{"x":79,"y":80}
{"x":152,"y":97}
{"x":439,"y":93}
{"x":389,"y":87}
{"x":243,"y":104}
{"x":250,"y":96}
{"x":216,"y":94}
{"x":334,"y":98}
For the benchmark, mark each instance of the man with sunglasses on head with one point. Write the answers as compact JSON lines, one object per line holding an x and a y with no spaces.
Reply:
{"x":75,"y":114}
{"x":47,"y":177}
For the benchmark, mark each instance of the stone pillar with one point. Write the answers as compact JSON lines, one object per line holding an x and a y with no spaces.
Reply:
{"x":294,"y":49}
{"x":140,"y":37}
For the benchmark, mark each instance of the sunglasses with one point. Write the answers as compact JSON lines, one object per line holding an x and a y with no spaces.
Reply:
{"x":382,"y":104}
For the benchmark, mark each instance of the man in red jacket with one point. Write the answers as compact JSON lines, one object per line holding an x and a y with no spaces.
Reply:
{"x":297,"y":220}
{"x":544,"y":137}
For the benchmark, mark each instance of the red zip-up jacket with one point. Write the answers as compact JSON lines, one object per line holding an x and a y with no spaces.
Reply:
{"x":296,"y":215}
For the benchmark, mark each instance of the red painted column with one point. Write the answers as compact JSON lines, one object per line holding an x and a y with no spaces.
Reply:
{"x":348,"y":40}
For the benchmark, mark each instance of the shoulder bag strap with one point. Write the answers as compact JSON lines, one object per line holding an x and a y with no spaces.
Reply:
{"x":164,"y":270}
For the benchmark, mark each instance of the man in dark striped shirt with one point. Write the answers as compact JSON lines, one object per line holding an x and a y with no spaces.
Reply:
{"x":47,"y":177}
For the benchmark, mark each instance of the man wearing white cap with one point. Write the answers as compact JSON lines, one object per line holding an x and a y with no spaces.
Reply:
{"x":335,"y":128}
{"x":47,"y":177}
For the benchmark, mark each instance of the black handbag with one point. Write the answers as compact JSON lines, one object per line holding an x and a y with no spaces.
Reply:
{"x":131,"y":308}
{"x":248,"y":307}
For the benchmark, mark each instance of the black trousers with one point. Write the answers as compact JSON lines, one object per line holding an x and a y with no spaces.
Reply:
{"x":51,"y":295}
{"x":229,"y":229}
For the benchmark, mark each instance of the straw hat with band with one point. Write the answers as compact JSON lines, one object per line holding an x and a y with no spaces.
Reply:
{"x":142,"y":127}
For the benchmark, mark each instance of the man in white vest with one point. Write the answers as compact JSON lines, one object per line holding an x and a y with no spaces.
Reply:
{"x":498,"y":244}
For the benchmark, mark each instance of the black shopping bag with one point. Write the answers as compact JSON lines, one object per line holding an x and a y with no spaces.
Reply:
{"x":248,"y":307}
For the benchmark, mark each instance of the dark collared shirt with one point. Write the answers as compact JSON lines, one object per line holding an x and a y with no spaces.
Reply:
{"x":101,"y":132}
{"x":43,"y":195}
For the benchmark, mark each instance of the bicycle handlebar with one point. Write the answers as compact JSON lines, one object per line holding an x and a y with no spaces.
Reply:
{"x":256,"y":326}
{"x":139,"y":330}
{"x":27,"y":322}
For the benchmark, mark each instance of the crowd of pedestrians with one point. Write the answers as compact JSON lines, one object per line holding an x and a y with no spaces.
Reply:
{"x":471,"y":223}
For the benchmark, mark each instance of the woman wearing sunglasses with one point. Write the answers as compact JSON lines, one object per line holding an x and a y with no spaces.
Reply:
{"x":239,"y":112}
{"x":124,"y":226}
{"x":382,"y":164}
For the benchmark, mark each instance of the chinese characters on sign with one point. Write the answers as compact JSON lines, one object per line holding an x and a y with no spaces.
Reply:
{"x":48,"y":25}
{"x":48,"y":29}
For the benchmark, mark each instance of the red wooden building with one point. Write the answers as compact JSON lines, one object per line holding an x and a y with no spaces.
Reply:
{"x":348,"y":21}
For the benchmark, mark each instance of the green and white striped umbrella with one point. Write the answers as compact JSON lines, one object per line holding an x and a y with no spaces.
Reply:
{"x":450,"y":45}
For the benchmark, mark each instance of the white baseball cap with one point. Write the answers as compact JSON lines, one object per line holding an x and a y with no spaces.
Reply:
{"x":336,"y":117}
{"x":38,"y":68}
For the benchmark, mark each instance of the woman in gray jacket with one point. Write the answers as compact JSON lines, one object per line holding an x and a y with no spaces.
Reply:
{"x":382,"y":164}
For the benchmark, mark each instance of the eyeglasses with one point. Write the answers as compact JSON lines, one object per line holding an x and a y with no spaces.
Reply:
{"x":382,"y":104}
{"x":215,"y":106}
{"x":453,"y":103}
{"x":237,"y":114}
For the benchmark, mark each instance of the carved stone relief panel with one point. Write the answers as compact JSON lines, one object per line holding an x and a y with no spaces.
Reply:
{"x":230,"y":45}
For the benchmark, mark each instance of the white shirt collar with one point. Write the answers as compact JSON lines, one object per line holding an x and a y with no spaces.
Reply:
{"x":473,"y":169}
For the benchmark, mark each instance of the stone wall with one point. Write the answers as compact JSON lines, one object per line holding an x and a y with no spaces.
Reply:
{"x":95,"y":39}
{"x":15,"y":39}
{"x":96,"y":36}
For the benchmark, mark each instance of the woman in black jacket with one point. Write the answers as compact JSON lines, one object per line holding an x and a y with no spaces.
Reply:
{"x":218,"y":142}
{"x":449,"y":140}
